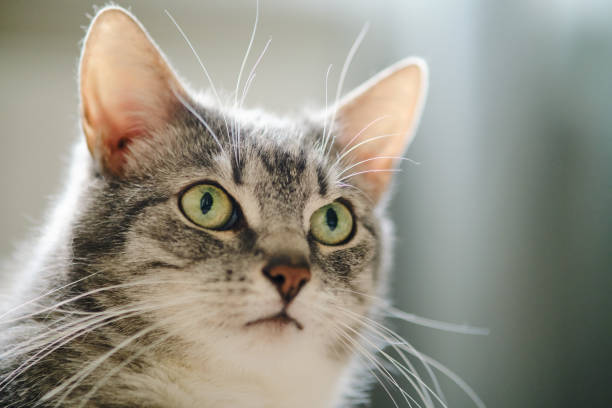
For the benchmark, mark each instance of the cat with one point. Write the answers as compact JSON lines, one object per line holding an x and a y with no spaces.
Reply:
{"x":205,"y":255}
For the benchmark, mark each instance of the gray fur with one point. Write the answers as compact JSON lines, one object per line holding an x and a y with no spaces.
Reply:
{"x":128,"y":229}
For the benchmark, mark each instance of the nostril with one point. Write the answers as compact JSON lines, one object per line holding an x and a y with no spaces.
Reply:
{"x":278,"y":279}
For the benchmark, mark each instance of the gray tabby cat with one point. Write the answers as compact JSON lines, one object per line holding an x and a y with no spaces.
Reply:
{"x":205,"y":255}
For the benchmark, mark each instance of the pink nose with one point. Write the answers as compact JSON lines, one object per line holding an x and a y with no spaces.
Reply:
{"x":288,"y":279}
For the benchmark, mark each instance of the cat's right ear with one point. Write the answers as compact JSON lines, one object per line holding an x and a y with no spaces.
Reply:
{"x":378,"y":121}
{"x":127,"y":88}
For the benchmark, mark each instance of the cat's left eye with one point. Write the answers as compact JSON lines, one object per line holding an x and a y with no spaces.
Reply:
{"x":209,"y":206}
{"x":332,"y":224}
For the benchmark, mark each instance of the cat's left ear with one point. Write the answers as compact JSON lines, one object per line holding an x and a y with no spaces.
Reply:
{"x":378,"y":120}
{"x":128,"y":89}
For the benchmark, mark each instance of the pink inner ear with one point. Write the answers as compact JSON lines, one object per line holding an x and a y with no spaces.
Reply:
{"x":120,"y":105}
{"x":117,"y":140}
{"x":127,"y":87}
{"x":118,"y":109}
{"x":112,"y":120}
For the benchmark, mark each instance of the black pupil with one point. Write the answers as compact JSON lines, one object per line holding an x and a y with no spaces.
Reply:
{"x":331,"y":218}
{"x":206,"y":202}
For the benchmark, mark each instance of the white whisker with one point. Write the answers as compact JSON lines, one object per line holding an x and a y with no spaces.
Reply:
{"x":456,"y":379}
{"x":120,"y":366}
{"x":419,"y":386}
{"x":246,"y":88}
{"x":370,"y":171}
{"x":76,"y":329}
{"x":436,"y":324}
{"x":375,"y":158}
{"x":210,"y":81}
{"x":373,"y":326}
{"x":252,"y":73}
{"x":44,"y":295}
{"x":358,"y":145}
{"x":324,"y":142}
{"x":353,"y":345}
{"x":343,"y":184}
{"x":345,"y":67}
{"x":422,"y":321}
{"x":91,"y":292}
{"x":54,"y":344}
{"x":366,"y":127}
{"x":120,"y":316}
{"x":199,"y":117}
{"x":376,"y":327}
{"x":244,"y":60}
{"x":78,"y":378}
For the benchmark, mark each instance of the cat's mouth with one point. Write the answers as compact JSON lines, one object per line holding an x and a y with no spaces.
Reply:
{"x":281,"y":318}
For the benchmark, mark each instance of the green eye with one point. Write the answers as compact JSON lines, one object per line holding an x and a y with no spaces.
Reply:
{"x":208,"y":206}
{"x":332,"y":224}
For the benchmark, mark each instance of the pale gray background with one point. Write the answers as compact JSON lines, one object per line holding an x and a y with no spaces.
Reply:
{"x":507,"y":222}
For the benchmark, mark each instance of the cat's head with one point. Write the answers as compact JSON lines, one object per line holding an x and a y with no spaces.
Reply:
{"x":228,"y":228}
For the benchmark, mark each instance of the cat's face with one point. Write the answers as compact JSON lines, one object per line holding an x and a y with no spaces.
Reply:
{"x":263,"y":260}
{"x":232,"y":229}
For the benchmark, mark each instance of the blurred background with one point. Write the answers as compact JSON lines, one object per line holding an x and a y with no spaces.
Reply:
{"x":507,"y":221}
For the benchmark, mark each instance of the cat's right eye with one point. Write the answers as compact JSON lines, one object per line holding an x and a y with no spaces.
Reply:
{"x":208,"y":206}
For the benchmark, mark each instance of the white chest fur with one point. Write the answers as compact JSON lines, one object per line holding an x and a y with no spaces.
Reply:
{"x":267,"y":376}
